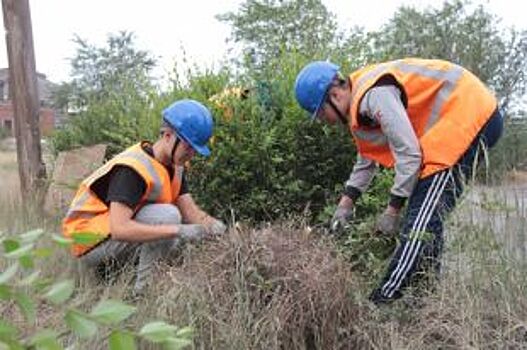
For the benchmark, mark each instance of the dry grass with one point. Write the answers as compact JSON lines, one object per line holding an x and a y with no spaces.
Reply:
{"x":9,"y":185}
{"x":275,"y":288}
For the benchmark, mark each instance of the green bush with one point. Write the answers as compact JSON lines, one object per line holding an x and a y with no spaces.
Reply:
{"x":4,"y":133}
{"x":119,"y":120}
{"x":269,"y":160}
{"x":511,"y":151}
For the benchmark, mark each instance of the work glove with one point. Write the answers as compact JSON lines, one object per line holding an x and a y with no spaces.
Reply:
{"x":340,"y":219}
{"x":217,"y":228}
{"x":388,"y":224}
{"x":192,"y":232}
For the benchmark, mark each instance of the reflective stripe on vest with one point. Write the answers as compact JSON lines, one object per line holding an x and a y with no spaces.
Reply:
{"x":439,"y":82}
{"x":88,"y":213}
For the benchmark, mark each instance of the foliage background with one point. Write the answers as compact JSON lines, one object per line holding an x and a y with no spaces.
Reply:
{"x":269,"y":161}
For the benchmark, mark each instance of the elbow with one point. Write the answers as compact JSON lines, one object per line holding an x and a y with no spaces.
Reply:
{"x":118,"y":230}
{"x":418,"y":160}
{"x":415,"y":160}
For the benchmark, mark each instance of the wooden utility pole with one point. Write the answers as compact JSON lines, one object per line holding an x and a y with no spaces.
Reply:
{"x":24,"y":96}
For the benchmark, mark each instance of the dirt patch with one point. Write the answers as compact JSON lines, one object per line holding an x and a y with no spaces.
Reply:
{"x":10,"y":185}
{"x":516,"y":177}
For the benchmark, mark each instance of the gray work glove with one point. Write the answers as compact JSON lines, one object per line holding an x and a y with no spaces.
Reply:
{"x":388,"y":224}
{"x":340,"y":219}
{"x":192,"y":232}
{"x":217,"y":228}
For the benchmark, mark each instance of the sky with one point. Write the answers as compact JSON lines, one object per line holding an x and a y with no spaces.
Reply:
{"x":176,"y":29}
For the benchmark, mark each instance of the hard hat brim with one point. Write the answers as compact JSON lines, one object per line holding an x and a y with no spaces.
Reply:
{"x":202,"y":150}
{"x":319,"y":107}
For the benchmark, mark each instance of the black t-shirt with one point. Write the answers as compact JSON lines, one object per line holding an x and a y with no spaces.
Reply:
{"x":124,"y":185}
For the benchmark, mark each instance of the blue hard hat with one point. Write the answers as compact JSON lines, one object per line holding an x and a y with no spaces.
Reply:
{"x":312,"y":85}
{"x":191,"y":121}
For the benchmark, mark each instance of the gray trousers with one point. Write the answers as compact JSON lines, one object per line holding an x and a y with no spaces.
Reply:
{"x":148,"y":253}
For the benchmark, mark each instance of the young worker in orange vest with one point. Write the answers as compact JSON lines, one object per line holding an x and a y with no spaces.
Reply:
{"x":138,"y":203}
{"x":428,"y":119}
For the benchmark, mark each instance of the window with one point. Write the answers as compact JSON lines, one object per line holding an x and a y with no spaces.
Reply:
{"x":8,"y":124}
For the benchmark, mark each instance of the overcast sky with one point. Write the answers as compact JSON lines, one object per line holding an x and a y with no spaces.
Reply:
{"x":166,"y":27}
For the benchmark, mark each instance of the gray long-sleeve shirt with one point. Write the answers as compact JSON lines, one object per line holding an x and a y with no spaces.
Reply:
{"x":383,"y":105}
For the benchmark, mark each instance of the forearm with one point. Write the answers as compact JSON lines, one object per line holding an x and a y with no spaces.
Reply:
{"x":197,"y":216}
{"x":123,"y":227}
{"x":360,"y":178}
{"x":133,"y":231}
{"x":191,"y":212}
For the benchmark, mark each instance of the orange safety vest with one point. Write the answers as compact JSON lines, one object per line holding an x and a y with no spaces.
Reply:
{"x":447,"y":106}
{"x":88,"y":213}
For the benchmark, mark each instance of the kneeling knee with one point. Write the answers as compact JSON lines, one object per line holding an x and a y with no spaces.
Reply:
{"x":159,"y":214}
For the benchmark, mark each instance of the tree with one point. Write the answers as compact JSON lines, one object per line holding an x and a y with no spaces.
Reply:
{"x":99,"y":72}
{"x":111,"y":95}
{"x":467,"y":36}
{"x":266,"y":28}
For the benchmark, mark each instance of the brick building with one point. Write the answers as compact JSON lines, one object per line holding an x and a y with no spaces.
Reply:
{"x":48,"y":116}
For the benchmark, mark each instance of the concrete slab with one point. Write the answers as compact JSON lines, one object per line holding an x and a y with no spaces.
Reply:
{"x":71,"y":167}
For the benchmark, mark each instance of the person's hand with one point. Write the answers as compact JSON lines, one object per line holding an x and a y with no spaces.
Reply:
{"x":388,"y":223}
{"x":217,"y":228}
{"x":340,"y":219}
{"x":192,"y":232}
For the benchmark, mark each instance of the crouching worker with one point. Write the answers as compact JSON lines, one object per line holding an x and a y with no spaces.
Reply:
{"x":138,"y":202}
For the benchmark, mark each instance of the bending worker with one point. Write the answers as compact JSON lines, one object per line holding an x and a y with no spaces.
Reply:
{"x":427,"y":119}
{"x":138,"y":204}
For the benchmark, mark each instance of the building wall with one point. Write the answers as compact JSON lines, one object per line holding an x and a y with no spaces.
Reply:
{"x":47,"y":115}
{"x":7,"y":121}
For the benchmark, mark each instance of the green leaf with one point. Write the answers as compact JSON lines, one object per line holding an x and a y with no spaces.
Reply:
{"x":185,"y":332}
{"x":60,"y":292}
{"x":79,"y":323}
{"x":7,"y":330}
{"x":42,"y":284}
{"x":46,"y":339}
{"x":121,"y":340}
{"x":11,"y":345}
{"x":26,"y":305}
{"x":30,"y":279}
{"x":6,"y":275}
{"x":111,"y":311}
{"x":20,"y":251}
{"x":10,"y":245}
{"x":42,"y":252}
{"x":86,"y":237}
{"x":158,"y":331}
{"x":177,"y":343}
{"x":61,"y":240}
{"x":27,"y":262}
{"x":5,"y":292}
{"x":31,"y":236}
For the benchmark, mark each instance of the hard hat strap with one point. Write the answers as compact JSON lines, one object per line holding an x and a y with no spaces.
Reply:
{"x":341,"y":116}
{"x":175,"y":146}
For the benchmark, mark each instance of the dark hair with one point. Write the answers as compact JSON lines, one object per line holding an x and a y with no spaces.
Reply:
{"x":339,"y":80}
{"x":165,"y":127}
